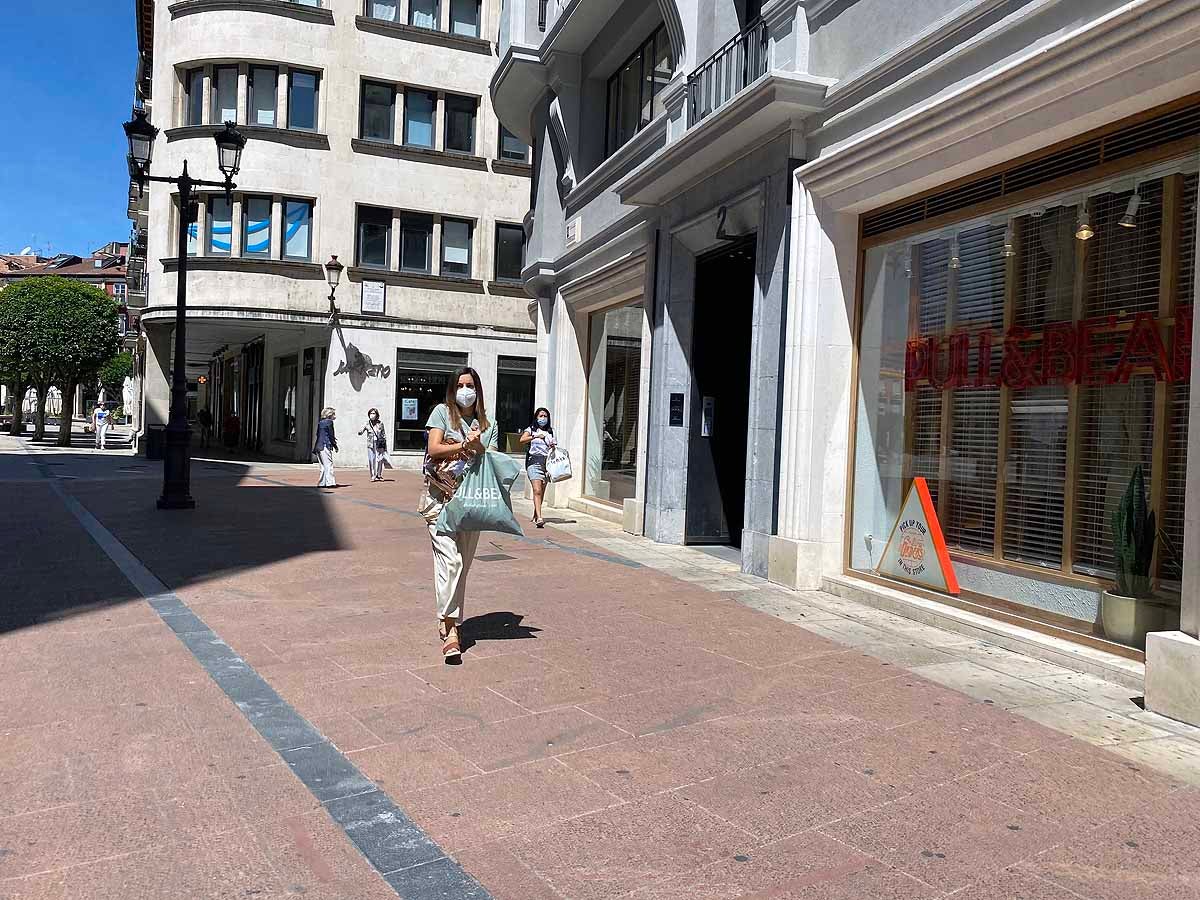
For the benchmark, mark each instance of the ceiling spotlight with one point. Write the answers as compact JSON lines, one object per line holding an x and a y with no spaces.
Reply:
{"x":1009,"y":241}
{"x":1084,"y":230}
{"x":955,"y":262}
{"x":908,"y":262}
{"x":1129,"y":220}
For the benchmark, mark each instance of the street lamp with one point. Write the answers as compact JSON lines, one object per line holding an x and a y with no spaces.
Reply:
{"x":177,"y":471}
{"x":333,"y":274}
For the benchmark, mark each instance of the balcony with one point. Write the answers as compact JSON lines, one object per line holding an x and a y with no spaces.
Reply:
{"x":728,"y":72}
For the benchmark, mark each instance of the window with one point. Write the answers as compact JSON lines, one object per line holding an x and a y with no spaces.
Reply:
{"x":302,"y":100}
{"x":1026,"y":373}
{"x":464,"y":17}
{"x":256,"y":226}
{"x":460,"y":123}
{"x":515,"y":391}
{"x":634,"y":91}
{"x":423,"y":13}
{"x":264,"y":83}
{"x":193,"y":229}
{"x":119,"y":292}
{"x":615,"y":389}
{"x":419,"y":108}
{"x":297,"y":229}
{"x":456,"y":247}
{"x":287,"y":389}
{"x":421,"y":377}
{"x":387,"y":10}
{"x":122,"y":325}
{"x":225,"y":92}
{"x":374,"y":236}
{"x":378,"y":112}
{"x":416,"y":242}
{"x":512,"y":149}
{"x":510,"y":252}
{"x":193,"y":103}
{"x":220,"y":225}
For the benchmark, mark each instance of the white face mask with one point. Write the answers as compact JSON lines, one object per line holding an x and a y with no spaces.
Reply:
{"x":465,"y":397}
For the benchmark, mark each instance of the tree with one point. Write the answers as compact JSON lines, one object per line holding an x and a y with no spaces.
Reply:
{"x":14,"y":373}
{"x":65,"y":332}
{"x":114,"y":372}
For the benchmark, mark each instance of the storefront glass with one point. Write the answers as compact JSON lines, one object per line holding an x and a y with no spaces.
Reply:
{"x":421,"y":377}
{"x":515,"y":379}
{"x":1025,"y":365}
{"x":287,"y":387}
{"x":614,"y":391}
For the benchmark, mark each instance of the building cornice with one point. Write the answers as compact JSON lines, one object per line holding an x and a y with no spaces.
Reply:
{"x":288,"y":268}
{"x":1120,"y":61}
{"x":419,"y":154}
{"x":284,"y":8}
{"x":311,"y":140}
{"x":407,"y":32}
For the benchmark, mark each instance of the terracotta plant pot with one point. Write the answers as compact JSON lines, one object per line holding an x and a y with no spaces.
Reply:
{"x":1127,"y":620}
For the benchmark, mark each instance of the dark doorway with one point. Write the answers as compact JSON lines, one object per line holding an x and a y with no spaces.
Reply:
{"x":721,"y":395}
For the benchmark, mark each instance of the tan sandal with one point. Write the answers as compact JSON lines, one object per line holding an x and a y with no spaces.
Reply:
{"x":451,"y":648}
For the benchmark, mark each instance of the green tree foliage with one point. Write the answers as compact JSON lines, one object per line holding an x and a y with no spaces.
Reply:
{"x":59,"y":332}
{"x":114,"y":372}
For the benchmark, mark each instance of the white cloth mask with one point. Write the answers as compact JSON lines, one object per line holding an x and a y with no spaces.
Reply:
{"x":465,"y":397}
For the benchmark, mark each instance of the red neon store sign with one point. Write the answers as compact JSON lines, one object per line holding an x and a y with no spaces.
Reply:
{"x":1104,"y":350}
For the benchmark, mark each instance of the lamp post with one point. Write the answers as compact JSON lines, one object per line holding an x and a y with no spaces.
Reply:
{"x":176,"y":493}
{"x":333,"y":275}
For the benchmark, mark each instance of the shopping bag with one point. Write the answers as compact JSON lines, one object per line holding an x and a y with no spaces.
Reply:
{"x":558,"y":466}
{"x":482,"y":501}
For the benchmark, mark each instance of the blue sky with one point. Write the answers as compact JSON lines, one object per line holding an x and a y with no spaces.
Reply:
{"x":66,"y":80}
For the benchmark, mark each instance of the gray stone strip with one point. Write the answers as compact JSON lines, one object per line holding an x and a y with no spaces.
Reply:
{"x":522,"y":539}
{"x":408,"y":859}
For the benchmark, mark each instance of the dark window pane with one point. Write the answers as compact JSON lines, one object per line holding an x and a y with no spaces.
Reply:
{"x":416,"y":241}
{"x":510,"y":251}
{"x":460,"y":123}
{"x":374,"y":236}
{"x":220,"y":226}
{"x":614,"y":112}
{"x":195,"y":97}
{"x":511,"y":147}
{"x":302,"y":101}
{"x":378,"y":111}
{"x":263,"y":86}
{"x":456,"y":247}
{"x":631,"y":78}
{"x":423,"y":13}
{"x":464,"y":17}
{"x":225,"y":89}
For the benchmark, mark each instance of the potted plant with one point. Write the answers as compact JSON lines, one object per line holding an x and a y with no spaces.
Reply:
{"x":1129,"y":611}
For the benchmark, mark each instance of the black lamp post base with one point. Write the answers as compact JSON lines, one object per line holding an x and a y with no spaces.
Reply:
{"x":176,"y":503}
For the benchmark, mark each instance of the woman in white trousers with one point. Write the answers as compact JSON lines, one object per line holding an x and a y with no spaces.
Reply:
{"x":326,"y":446}
{"x":376,"y":444}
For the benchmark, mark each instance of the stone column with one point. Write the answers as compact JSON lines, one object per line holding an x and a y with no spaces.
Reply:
{"x":1173,"y":657}
{"x":156,"y":389}
{"x":567,"y":362}
{"x":816,"y":396}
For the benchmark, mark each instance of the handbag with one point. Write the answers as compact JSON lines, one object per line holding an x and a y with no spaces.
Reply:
{"x":558,"y":466}
{"x":483,"y":501}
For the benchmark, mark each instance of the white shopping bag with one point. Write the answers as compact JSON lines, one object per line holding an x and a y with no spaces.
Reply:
{"x":558,"y":466}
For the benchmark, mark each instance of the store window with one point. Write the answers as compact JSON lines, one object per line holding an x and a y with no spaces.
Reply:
{"x":225,"y":91}
{"x":1025,"y":365}
{"x":635,"y":90}
{"x":516,"y":378}
{"x":297,"y":225}
{"x":287,"y":387}
{"x":302,"y":100}
{"x":378,"y":112}
{"x":614,"y":391}
{"x":421,"y":378}
{"x":460,"y":123}
{"x":264,"y":85}
{"x":419,"y":109}
{"x":374,"y":236}
{"x":256,"y":226}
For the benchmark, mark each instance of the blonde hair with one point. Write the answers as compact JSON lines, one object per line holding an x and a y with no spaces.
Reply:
{"x":327,"y":412}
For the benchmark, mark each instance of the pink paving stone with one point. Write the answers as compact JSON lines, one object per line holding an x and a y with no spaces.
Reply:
{"x":503,"y":875}
{"x":515,"y":741}
{"x":947,"y":836}
{"x":482,"y":672}
{"x":481,"y":809}
{"x":439,"y":712}
{"x":804,"y":867}
{"x":310,"y":850}
{"x":895,"y":702}
{"x":1015,"y":885}
{"x":412,"y":763}
{"x":609,"y":853}
{"x":853,"y":667}
{"x":356,"y":695}
{"x":1060,"y":783}
{"x":651,"y":711}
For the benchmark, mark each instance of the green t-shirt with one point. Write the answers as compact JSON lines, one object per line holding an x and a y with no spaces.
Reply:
{"x":440,"y":418}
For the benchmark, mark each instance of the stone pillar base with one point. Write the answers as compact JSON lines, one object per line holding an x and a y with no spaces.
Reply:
{"x":755,"y":552}
{"x":1173,"y":675}
{"x":795,"y":564}
{"x":634,"y":520}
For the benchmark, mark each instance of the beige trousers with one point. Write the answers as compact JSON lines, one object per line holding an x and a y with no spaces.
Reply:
{"x":452,"y":557}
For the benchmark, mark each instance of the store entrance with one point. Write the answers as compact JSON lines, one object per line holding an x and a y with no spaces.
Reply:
{"x":716,"y":493}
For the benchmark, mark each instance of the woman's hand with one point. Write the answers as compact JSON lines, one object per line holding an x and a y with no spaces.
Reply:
{"x":474,"y":444}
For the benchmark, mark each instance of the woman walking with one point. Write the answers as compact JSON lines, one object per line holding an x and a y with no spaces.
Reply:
{"x":458,"y":430}
{"x":539,"y":437}
{"x":326,"y":446}
{"x":376,"y":444}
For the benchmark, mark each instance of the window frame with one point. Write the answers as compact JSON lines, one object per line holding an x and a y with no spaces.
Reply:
{"x":500,"y":147}
{"x":358,"y":236}
{"x":409,"y":91}
{"x":437,"y":16}
{"x":470,"y":263}
{"x":496,"y":276}
{"x":409,"y":220}
{"x":213,"y":111}
{"x":362,"y":110}
{"x":210,"y":232}
{"x":283,"y":239}
{"x":194,"y":101}
{"x":613,"y":83}
{"x":245,"y":224}
{"x":316,"y":100}
{"x":251,"y":108}
{"x":462,"y":100}
{"x":367,"y":4}
{"x":478,"y":4}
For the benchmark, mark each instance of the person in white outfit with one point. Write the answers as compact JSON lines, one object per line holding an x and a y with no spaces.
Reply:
{"x":326,"y":446}
{"x":100,"y":425}
{"x":376,"y":444}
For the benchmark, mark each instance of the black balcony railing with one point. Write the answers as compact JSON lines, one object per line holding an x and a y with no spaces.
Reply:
{"x":739,"y":63}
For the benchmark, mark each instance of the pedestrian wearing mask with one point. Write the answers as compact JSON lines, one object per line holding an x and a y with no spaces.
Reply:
{"x":458,"y":431}
{"x":376,"y":443}
{"x":540,"y":441}
{"x":326,"y":446}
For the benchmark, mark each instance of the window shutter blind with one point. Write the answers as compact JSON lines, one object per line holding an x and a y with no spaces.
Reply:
{"x":979,"y":298}
{"x":1045,"y":279}
{"x":933,"y":284}
{"x":1035,"y":476}
{"x":1123,"y":263}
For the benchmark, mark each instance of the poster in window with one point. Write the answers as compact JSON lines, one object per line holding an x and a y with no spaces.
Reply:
{"x":408,"y":409}
{"x":374,"y":298}
{"x":916,"y":551}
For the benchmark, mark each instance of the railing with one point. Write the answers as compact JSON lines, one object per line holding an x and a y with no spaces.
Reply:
{"x":739,"y":63}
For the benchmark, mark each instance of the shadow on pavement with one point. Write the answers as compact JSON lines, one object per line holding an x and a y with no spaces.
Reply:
{"x":496,"y":626}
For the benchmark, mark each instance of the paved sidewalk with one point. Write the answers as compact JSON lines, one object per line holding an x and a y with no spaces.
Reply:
{"x":624,"y":725}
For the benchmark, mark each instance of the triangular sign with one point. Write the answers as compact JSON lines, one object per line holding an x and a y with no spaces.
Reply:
{"x":916,"y":552}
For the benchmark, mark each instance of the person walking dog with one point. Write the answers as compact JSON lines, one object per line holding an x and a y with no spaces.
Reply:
{"x":540,"y":440}
{"x":376,"y":444}
{"x":326,"y":446}
{"x":458,"y":431}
